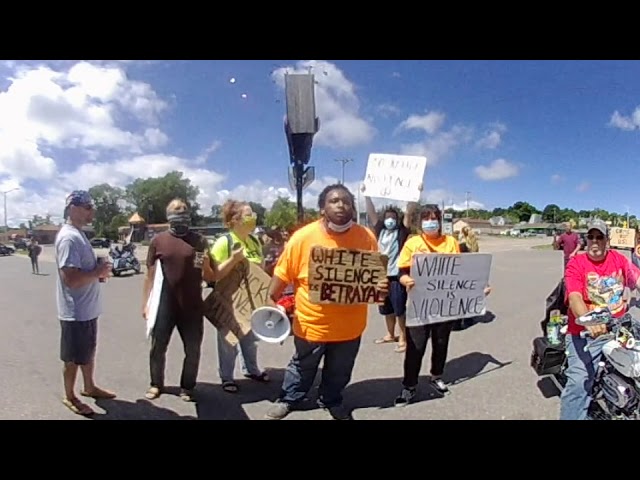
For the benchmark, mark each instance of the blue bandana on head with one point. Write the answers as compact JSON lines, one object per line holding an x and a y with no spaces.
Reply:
{"x":79,"y":198}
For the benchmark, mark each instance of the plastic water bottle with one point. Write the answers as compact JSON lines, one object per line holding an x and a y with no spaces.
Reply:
{"x":553,"y":327}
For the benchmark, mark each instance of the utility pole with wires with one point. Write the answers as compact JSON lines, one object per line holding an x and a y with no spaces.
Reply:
{"x":467,"y":202}
{"x":6,"y":219}
{"x":344,"y":161}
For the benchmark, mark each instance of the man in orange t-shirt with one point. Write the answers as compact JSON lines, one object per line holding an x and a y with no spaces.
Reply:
{"x":331,"y":331}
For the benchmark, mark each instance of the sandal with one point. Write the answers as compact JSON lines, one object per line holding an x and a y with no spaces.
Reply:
{"x":262,"y":378}
{"x":385,"y":339}
{"x":98,"y":393}
{"x":230,"y":387}
{"x":77,"y":407}
{"x":186,"y":395}
{"x":401,"y":348}
{"x":153,"y":393}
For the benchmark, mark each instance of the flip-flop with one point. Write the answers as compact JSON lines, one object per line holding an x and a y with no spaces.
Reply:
{"x":230,"y":387}
{"x":400,"y":349}
{"x":262,"y":378}
{"x":77,"y":407}
{"x":383,"y":340}
{"x":98,"y":393}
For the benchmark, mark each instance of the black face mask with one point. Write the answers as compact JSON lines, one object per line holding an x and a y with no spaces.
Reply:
{"x":179,"y":229}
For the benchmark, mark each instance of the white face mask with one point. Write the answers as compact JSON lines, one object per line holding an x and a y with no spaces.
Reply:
{"x":339,"y":228}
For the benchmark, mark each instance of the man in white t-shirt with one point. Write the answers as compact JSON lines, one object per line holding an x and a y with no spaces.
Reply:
{"x":79,"y":302}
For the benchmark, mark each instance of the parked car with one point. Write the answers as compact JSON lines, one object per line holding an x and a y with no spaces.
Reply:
{"x":6,"y":250}
{"x":100,"y":242}
{"x":20,"y":244}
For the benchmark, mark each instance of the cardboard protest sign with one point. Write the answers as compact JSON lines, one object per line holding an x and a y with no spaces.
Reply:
{"x":230,"y":305}
{"x":622,"y":238}
{"x":344,"y":276}
{"x":448,"y":287}
{"x":395,"y":177}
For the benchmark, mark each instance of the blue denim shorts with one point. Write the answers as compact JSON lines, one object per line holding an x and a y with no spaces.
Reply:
{"x":396,"y":301}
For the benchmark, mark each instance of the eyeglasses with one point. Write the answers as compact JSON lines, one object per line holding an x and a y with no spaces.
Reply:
{"x":595,"y":237}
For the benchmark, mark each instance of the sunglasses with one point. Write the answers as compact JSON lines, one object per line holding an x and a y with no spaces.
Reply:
{"x":595,"y":237}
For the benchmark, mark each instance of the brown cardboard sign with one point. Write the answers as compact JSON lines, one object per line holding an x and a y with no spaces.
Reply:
{"x":345,"y":276}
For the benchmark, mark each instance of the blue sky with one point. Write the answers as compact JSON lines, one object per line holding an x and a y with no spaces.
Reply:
{"x":560,"y":132}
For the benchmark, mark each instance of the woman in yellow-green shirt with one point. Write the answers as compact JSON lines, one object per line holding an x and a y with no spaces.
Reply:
{"x":238,"y":246}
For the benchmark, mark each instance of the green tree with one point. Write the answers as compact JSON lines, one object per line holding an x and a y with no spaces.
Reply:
{"x":551,"y":213}
{"x":107,"y":199}
{"x":152,"y":195}
{"x":283,"y":214}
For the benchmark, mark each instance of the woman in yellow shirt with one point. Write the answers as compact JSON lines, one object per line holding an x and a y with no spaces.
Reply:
{"x":431,"y":240}
{"x":241,"y":247}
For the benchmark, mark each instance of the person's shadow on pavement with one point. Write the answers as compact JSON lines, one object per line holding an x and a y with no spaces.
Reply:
{"x":140,"y":409}
{"x":382,"y":392}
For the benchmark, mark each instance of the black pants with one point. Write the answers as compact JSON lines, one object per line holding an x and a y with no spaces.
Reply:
{"x":417,"y":338}
{"x":34,"y":265}
{"x":190,"y":326}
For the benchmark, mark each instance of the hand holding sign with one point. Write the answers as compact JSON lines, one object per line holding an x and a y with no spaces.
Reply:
{"x":407,"y":282}
{"x":446,"y":287}
{"x":394,"y":177}
{"x":347,"y":277}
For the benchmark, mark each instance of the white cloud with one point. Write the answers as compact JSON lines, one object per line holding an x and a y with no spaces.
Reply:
{"x":387,"y":110}
{"x":77,"y":108}
{"x":629,"y":123}
{"x":492,"y":138}
{"x":583,"y":187}
{"x":556,"y":178}
{"x":337,"y":105}
{"x":439,"y":146}
{"x":429,"y":123}
{"x":499,"y":169}
{"x":437,"y":143}
{"x":81,"y":107}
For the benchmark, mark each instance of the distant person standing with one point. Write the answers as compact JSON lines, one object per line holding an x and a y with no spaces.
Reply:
{"x":34,"y":250}
{"x":569,"y":243}
{"x":79,"y":302}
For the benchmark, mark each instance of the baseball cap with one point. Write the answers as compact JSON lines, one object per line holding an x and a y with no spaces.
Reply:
{"x":598,"y":225}
{"x":79,"y":198}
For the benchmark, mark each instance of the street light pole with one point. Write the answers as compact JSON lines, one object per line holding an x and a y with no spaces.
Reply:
{"x":344,"y":161}
{"x":6,"y":223}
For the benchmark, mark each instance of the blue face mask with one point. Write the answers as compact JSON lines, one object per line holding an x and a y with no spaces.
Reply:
{"x":430,"y":226}
{"x":390,"y":223}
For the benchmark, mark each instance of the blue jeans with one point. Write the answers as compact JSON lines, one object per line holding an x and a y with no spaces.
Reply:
{"x":339,"y":360}
{"x":247,"y":348}
{"x":580,"y":373}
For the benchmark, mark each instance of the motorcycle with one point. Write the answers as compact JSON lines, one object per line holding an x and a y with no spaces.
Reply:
{"x":124,"y":260}
{"x":616,"y":388}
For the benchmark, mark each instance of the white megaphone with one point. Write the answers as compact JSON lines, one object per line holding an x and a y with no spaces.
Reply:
{"x":270,"y":324}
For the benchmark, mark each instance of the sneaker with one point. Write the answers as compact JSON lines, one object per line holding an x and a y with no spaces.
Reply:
{"x":186,"y":395}
{"x":406,"y":397}
{"x":339,"y":412}
{"x":440,"y":386}
{"x":278,"y":411}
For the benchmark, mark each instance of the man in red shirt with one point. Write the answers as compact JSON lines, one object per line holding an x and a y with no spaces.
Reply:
{"x":570,"y":243}
{"x":595,"y":280}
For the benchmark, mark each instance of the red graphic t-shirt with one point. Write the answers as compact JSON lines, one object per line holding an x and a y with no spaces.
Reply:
{"x":601,"y":284}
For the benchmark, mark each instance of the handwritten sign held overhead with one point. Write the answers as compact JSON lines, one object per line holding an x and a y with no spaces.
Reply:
{"x":395,"y":177}
{"x":448,"y":287}
{"x":344,"y":276}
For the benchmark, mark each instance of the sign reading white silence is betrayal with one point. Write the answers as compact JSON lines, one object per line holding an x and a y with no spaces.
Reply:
{"x":395,"y":177}
{"x":448,"y":287}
